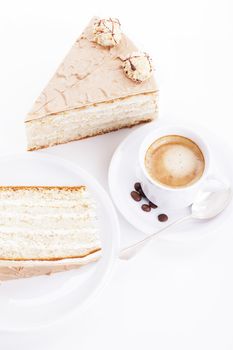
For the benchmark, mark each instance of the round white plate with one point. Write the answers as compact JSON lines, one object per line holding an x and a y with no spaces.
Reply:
{"x":39,"y":301}
{"x":123,"y":175}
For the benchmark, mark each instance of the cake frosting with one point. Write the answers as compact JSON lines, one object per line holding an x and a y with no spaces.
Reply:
{"x":90,"y":74}
{"x":24,"y":269}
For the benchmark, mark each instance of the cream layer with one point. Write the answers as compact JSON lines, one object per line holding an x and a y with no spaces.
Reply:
{"x":31,"y":227}
{"x":80,"y":123}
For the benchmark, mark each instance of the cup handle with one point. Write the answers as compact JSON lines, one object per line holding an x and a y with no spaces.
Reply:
{"x":215,"y":182}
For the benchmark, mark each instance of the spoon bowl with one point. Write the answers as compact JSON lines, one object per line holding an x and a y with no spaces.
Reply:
{"x":209,"y":202}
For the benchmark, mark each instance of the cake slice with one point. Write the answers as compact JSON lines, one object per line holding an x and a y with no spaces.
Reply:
{"x":46,"y":229}
{"x":102,"y":85}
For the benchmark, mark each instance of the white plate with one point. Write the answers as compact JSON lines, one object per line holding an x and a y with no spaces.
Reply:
{"x":40,"y":301}
{"x":123,"y":175}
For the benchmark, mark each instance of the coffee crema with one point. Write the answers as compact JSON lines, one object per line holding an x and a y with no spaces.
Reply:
{"x":174,"y":161}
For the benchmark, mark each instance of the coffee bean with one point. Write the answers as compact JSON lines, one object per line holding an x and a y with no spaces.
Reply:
{"x":162,"y":217}
{"x":146,"y":207}
{"x":136,"y":196}
{"x":141,"y":193}
{"x":152,"y":205}
{"x":137,"y":186}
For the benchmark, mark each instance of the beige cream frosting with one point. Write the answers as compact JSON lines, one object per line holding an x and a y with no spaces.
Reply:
{"x":89,"y":74}
{"x":24,"y":269}
{"x":9,"y":273}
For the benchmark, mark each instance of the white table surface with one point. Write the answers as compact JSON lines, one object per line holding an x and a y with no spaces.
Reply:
{"x":175,"y":295}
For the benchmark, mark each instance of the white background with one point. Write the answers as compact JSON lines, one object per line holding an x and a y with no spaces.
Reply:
{"x":175,"y":295}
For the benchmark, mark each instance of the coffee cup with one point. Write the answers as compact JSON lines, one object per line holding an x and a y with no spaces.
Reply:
{"x":181,"y":161}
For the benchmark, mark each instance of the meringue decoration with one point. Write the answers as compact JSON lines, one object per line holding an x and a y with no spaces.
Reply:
{"x":107,"y":32}
{"x":138,"y":66}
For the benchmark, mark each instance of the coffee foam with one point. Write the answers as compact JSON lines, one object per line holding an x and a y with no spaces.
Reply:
{"x":179,"y":161}
{"x":174,"y":161}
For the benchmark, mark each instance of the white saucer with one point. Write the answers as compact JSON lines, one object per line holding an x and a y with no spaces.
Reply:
{"x":35,"y":302}
{"x":123,"y":175}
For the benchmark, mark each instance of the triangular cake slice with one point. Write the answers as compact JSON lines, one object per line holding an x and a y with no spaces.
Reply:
{"x":91,"y":94}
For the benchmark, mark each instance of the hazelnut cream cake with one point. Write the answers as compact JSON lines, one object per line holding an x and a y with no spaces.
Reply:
{"x":45,"y":230}
{"x":103,"y":84}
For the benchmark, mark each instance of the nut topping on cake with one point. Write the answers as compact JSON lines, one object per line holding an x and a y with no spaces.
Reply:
{"x":138,"y":66}
{"x":107,"y":32}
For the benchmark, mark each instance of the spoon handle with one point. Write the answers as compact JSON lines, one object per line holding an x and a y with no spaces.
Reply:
{"x":130,"y":251}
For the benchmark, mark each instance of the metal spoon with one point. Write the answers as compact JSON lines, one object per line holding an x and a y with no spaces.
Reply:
{"x":207,"y":204}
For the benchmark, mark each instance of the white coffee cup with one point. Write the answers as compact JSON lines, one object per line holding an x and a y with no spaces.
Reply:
{"x":162,"y":195}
